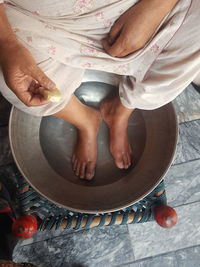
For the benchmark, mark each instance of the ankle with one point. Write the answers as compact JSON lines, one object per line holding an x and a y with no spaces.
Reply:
{"x":122,"y":111}
{"x":116,"y":108}
{"x":90,"y":124}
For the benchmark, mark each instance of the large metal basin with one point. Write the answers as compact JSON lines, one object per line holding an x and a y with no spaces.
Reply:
{"x":42,"y":149}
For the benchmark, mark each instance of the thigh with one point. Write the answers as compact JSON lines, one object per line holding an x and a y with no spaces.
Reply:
{"x":172,"y":71}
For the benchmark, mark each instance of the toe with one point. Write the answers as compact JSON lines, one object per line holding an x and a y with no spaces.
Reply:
{"x":119,"y":161}
{"x":82,"y":171}
{"x":89,"y":174}
{"x":75,"y":164}
{"x":77,"y":171}
{"x":125,"y":160}
{"x":130,"y":156}
{"x":129,"y":159}
{"x":130,"y":151}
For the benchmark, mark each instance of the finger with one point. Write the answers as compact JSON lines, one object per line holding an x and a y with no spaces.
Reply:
{"x":38,"y":100}
{"x":111,"y":50}
{"x":116,"y":49}
{"x":34,"y":87}
{"x":124,"y":53}
{"x":31,"y":100}
{"x":42,"y":78}
{"x":114,"y":33}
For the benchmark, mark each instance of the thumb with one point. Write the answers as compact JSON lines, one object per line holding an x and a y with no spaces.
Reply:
{"x":42,"y":79}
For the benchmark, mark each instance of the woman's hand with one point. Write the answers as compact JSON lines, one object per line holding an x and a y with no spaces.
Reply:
{"x":22,"y":75}
{"x":136,"y":26}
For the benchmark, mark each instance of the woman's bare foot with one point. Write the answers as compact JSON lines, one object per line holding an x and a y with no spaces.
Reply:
{"x":87,"y":121}
{"x":116,"y":117}
{"x":85,"y":153}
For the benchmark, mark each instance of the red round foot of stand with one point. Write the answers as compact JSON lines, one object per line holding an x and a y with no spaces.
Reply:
{"x":24,"y":226}
{"x":165,"y":216}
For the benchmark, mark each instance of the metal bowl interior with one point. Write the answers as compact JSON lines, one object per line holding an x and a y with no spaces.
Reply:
{"x":42,"y":149}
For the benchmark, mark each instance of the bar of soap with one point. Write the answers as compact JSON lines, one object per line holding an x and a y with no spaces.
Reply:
{"x":52,"y":95}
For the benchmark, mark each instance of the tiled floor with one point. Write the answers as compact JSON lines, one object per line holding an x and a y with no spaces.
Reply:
{"x":138,"y":245}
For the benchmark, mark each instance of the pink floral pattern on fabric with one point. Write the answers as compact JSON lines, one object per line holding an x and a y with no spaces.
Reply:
{"x":121,"y":69}
{"x":99,"y":16}
{"x":108,"y":22}
{"x":91,"y":42}
{"x":35,"y":12}
{"x":88,"y":51}
{"x":155,"y":48}
{"x":51,"y":50}
{"x":87,"y":65}
{"x":50,"y":27}
{"x":83,"y":6}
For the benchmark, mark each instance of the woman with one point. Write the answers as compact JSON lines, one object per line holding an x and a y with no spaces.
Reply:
{"x":50,"y":43}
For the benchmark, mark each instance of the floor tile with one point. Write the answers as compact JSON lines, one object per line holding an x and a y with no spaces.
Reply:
{"x":149,"y":239}
{"x":187,"y":105}
{"x":188,"y":147}
{"x":36,"y":253}
{"x":38,"y":237}
{"x":189,"y":257}
{"x":5,"y":152}
{"x":46,"y":235}
{"x":166,"y":260}
{"x":182,"y":183}
{"x":109,"y":246}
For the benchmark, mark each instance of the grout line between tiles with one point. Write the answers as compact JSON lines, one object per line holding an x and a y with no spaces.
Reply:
{"x":185,"y":122}
{"x":176,"y":164}
{"x":162,"y":254}
{"x":185,"y":204}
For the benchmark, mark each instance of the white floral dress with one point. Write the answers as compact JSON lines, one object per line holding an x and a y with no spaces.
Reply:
{"x":65,"y":39}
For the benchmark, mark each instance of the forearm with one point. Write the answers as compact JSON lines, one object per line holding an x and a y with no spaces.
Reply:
{"x":164,"y":6}
{"x":6,"y":32}
{"x":156,"y":10}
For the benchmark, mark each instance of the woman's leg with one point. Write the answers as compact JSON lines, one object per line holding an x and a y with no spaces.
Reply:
{"x":173,"y":70}
{"x":116,"y":117}
{"x":87,"y":122}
